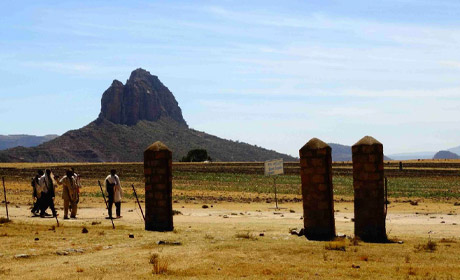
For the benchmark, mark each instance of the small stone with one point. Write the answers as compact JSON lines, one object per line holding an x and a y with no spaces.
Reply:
{"x":84,"y":230}
{"x":225,"y":216}
{"x":107,"y":247}
{"x":205,"y":206}
{"x":161,"y":242}
{"x":130,"y":210}
{"x":261,"y":234}
{"x":131,"y":235}
{"x":95,"y":223}
{"x":443,"y":222}
{"x":36,"y":238}
{"x":355,"y":266}
{"x":22,"y":256}
{"x":291,"y":211}
{"x":400,"y":242}
{"x":62,"y":253}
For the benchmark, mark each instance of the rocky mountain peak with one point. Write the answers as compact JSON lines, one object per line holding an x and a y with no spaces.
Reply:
{"x":143,"y":97}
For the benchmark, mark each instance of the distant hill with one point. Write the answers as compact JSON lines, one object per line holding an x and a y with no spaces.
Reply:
{"x":11,"y":141}
{"x":133,"y":116}
{"x":446,"y":155}
{"x":343,"y":152}
{"x":455,"y":150}
{"x":415,"y":155}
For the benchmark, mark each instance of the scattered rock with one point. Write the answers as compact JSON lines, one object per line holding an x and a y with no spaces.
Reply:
{"x":107,"y":247}
{"x":225,"y":216}
{"x":36,"y":238}
{"x":95,"y":223}
{"x":400,"y":242}
{"x":443,"y":222}
{"x":457,"y":204}
{"x":22,"y":256}
{"x":205,"y":206}
{"x":234,"y":214}
{"x":300,"y":232}
{"x":291,"y":211}
{"x":62,"y":253}
{"x":170,"y":243}
{"x":17,"y":206}
{"x":84,"y":230}
{"x":131,"y":235}
{"x":261,"y":234}
{"x":130,"y":210}
{"x":413,"y":202}
{"x":355,"y":266}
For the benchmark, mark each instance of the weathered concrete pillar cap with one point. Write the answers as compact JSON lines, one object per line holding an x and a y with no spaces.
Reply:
{"x":314,"y":144}
{"x":367,"y":140}
{"x":157,"y":146}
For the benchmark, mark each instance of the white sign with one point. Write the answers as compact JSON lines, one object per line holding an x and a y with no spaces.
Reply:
{"x":274,"y":167}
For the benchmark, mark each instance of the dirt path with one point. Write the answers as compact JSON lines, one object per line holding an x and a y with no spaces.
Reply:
{"x":435,"y":221}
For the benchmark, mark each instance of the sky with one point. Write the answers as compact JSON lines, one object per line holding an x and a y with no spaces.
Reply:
{"x":270,"y":73}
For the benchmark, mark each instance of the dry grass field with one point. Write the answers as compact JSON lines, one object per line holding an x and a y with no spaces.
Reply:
{"x":238,"y":235}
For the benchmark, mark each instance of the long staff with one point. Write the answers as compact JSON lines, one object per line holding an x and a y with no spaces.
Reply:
{"x":6,"y":202}
{"x":106,"y":205}
{"x":135,"y":194}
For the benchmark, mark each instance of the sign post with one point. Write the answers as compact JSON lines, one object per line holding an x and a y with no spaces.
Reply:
{"x":274,"y":168}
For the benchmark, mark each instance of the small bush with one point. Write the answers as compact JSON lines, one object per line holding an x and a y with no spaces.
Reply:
{"x":160,"y":266}
{"x":245,"y":235}
{"x":336,"y":245}
{"x":430,"y":246}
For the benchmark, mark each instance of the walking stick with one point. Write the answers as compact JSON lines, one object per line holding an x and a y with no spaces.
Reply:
{"x":135,"y":194}
{"x":6,"y":202}
{"x":106,"y":205}
{"x":57,"y":221}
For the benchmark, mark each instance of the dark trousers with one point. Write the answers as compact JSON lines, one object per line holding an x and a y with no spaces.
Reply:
{"x":37,"y":205}
{"x":111,"y":201}
{"x":47,"y":201}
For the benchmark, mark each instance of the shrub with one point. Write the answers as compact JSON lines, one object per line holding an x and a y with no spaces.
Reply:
{"x":336,"y":245}
{"x":196,"y":155}
{"x":430,"y":246}
{"x":246,"y":235}
{"x":160,"y":266}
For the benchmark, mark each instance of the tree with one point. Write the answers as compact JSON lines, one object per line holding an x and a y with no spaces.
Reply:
{"x":196,"y":155}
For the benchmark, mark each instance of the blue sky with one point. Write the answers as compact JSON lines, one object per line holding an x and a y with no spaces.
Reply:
{"x":270,"y":73}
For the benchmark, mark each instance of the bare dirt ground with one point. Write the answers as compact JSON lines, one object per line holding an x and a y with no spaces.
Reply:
{"x":228,"y":240}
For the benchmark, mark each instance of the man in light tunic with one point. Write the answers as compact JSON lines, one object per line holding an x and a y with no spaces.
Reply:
{"x":69,"y":194}
{"x":113,"y":186}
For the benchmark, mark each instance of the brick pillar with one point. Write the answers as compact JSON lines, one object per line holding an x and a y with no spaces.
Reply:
{"x":158,"y":188}
{"x":317,"y":193}
{"x":368,"y":185}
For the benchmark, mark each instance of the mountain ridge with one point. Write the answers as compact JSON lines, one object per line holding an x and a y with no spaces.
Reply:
{"x":133,"y":116}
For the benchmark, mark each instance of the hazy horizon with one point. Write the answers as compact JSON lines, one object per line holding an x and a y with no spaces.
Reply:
{"x":267,"y":74}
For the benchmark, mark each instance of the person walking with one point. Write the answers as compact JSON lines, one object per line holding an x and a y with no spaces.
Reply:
{"x":47,"y":185}
{"x":69,"y":194}
{"x":36,"y":193}
{"x":114,"y":191}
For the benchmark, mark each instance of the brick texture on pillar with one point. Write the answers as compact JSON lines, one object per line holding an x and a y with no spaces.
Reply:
{"x":158,"y":188}
{"x":317,"y":191}
{"x":368,"y":185}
